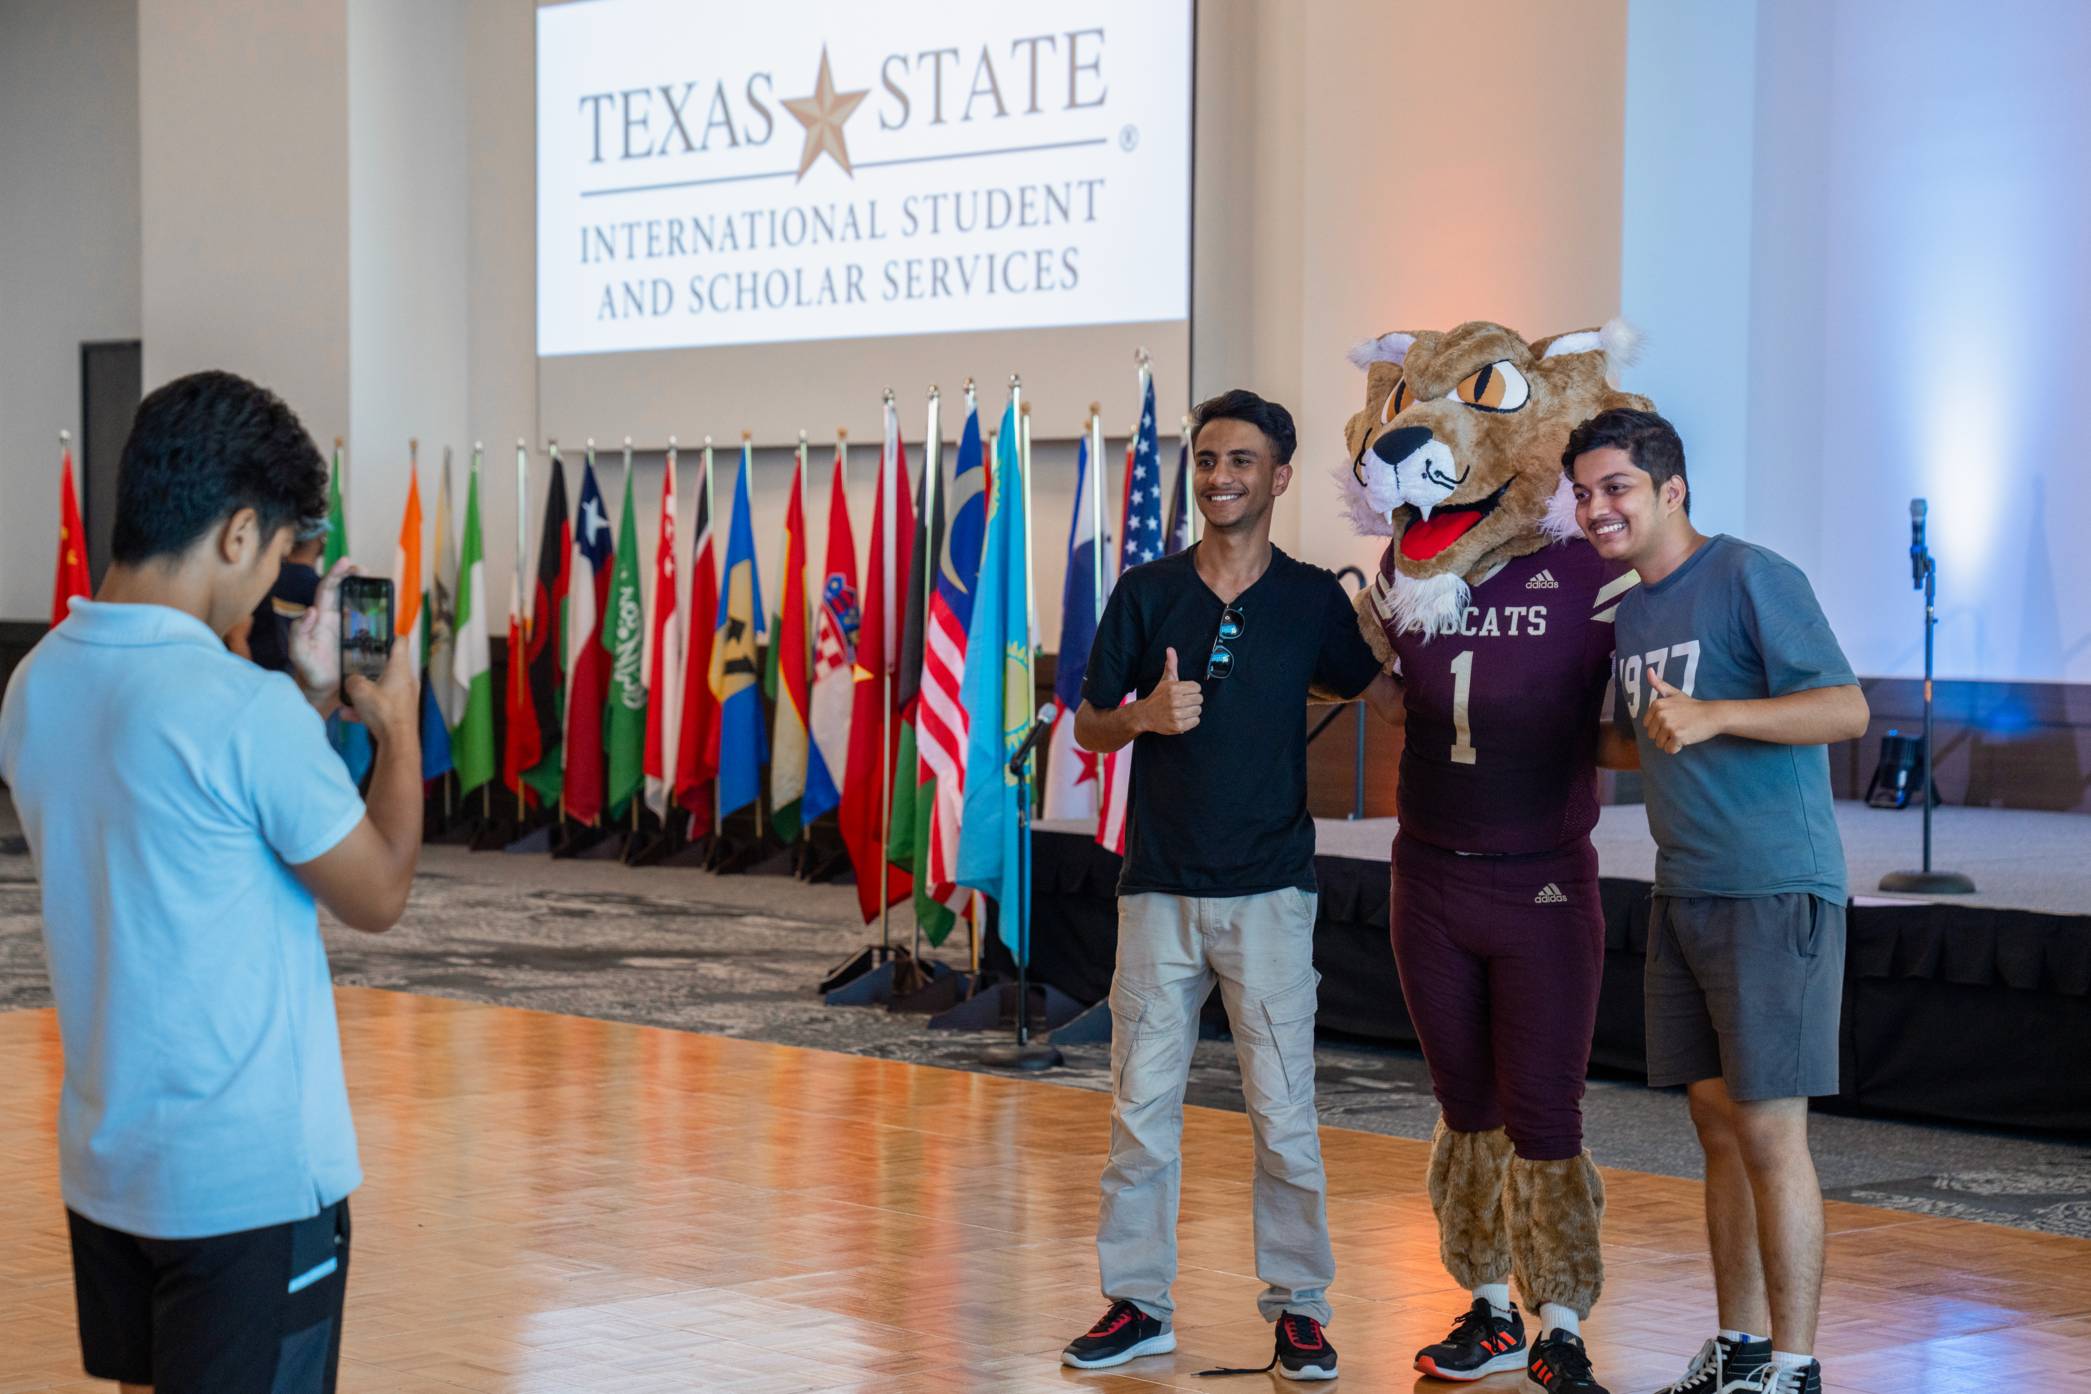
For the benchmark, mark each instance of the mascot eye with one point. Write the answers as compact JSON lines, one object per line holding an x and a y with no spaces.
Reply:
{"x":1498,"y":387}
{"x":1398,"y":401}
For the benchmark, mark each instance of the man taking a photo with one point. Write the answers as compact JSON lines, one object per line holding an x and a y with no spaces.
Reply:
{"x":1223,"y":640}
{"x":1733,"y":684}
{"x":184,"y":811}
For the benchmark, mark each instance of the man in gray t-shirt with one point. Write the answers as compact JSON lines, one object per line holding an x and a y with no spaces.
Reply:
{"x":1733,"y":685}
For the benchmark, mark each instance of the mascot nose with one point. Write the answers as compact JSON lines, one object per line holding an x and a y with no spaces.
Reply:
{"x":1396,"y":446}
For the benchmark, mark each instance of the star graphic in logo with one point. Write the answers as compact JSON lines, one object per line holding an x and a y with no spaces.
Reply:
{"x":592,"y":520}
{"x":1086,"y":761}
{"x":823,"y":115}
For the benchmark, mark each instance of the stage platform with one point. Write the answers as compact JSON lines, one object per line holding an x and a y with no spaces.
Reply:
{"x":1972,"y":1009}
{"x":557,"y":1205}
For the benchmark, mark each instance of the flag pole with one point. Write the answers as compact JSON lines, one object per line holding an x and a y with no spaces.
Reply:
{"x":523,"y":618}
{"x":747,"y":454}
{"x":1095,"y":484}
{"x":486,"y":790}
{"x":636,"y":798}
{"x":886,"y":592}
{"x":932,"y":466}
{"x":1023,"y":958}
{"x":976,"y":907}
{"x":806,"y":659}
{"x":1192,"y":517}
{"x":711,"y":513}
{"x":552,"y":450}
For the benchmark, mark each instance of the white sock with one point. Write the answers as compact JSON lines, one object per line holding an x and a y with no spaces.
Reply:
{"x":1738,"y":1337}
{"x":1555,"y":1317}
{"x":1498,"y":1295}
{"x":1787,"y":1360}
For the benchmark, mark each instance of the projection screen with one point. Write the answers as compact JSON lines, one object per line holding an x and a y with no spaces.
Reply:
{"x":762,"y":215}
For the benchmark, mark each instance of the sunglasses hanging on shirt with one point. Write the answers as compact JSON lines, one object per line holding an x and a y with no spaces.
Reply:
{"x":1222,"y":661}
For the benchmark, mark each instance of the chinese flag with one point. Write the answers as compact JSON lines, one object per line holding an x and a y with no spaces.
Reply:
{"x":72,"y":546}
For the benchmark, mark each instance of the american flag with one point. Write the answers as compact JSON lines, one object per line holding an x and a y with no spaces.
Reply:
{"x":1142,"y":532}
{"x":1141,"y":540}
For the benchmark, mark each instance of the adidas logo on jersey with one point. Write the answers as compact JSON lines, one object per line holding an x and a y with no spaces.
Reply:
{"x":1550,"y":894}
{"x":1544,"y":581}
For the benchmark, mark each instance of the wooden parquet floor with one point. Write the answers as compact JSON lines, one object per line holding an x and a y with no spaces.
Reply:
{"x":561,"y":1204}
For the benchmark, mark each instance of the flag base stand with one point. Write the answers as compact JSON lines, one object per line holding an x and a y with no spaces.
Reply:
{"x":494,"y":834}
{"x":855,"y":966}
{"x":581,"y":840}
{"x":536,"y":841}
{"x":1092,"y":1027}
{"x":947,"y":987}
{"x":1927,"y":883}
{"x":902,"y":974}
{"x":994,"y":1008}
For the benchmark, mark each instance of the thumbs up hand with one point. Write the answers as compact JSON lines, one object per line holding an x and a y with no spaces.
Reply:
{"x":1675,"y":720}
{"x":1174,"y":706}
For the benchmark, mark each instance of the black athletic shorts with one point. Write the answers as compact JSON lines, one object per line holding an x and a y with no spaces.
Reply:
{"x":257,"y":1312}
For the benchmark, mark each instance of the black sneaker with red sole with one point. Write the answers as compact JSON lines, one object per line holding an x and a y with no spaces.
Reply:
{"x":1304,"y":1352}
{"x":1560,"y":1365}
{"x":1480,"y":1344}
{"x":1125,"y":1333}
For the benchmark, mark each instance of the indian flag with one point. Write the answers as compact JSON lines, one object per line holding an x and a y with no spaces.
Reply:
{"x":472,"y":739}
{"x":406,"y":573}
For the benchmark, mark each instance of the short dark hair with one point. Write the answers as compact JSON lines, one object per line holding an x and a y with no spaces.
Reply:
{"x":202,"y":448}
{"x":1648,"y":440}
{"x":1243,"y":405}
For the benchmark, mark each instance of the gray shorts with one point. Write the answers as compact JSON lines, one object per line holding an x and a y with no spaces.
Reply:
{"x":1748,"y":990}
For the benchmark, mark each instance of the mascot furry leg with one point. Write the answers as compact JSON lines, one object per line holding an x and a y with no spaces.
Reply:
{"x":1501,"y":1215}
{"x":1553,"y":1210}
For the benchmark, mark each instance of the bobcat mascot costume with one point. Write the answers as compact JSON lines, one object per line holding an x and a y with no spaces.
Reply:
{"x":1495,"y":614}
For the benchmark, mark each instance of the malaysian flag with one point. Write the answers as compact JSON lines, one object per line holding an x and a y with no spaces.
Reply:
{"x":942,"y":724}
{"x":1141,"y":541}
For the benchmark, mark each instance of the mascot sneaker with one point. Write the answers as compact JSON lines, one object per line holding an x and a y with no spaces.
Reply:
{"x":1124,"y":1333}
{"x":1560,"y":1365}
{"x":1481,"y":1344}
{"x":1722,"y":1366}
{"x":1304,"y":1351}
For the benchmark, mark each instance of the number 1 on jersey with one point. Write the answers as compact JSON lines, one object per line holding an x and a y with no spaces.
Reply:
{"x":1463,"y":731}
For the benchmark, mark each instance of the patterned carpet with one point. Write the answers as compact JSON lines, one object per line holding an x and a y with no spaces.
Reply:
{"x":739,"y":955}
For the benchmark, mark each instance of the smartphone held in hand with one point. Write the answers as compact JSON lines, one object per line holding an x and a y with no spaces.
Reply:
{"x":366,"y":628}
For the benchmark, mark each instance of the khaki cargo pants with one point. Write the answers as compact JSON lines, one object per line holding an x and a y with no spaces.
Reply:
{"x":1171,"y":949}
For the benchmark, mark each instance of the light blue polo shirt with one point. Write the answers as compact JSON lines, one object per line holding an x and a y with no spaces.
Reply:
{"x":166,"y":787}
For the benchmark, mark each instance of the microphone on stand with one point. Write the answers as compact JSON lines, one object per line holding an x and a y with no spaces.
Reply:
{"x":1917,"y":509}
{"x":1047,"y":715}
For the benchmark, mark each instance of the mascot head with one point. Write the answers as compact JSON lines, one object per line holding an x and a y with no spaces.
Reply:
{"x":1457,"y":454}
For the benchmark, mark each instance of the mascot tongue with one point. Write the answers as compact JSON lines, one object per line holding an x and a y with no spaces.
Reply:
{"x":1426,"y":537}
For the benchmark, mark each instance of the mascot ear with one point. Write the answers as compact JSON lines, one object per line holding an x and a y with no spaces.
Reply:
{"x":1618,"y":341}
{"x":1387,"y":348}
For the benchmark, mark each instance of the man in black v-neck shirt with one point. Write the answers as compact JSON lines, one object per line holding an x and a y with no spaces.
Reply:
{"x":1222,"y":641}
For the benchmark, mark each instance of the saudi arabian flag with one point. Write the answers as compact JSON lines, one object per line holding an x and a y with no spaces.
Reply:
{"x":624,"y":638}
{"x":472,"y":739}
{"x":336,"y":545}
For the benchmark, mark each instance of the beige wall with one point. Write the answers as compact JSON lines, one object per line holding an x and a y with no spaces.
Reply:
{"x":244,"y":196}
{"x":68,"y":252}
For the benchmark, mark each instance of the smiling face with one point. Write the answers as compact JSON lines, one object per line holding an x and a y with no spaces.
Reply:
{"x":1460,"y":441}
{"x":1237,"y":477}
{"x":1619,"y":506}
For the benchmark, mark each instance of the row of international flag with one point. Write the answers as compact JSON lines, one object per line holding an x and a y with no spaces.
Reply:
{"x":618,"y":693}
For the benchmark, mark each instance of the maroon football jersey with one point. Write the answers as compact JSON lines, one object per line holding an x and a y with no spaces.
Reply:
{"x":1504,"y":704}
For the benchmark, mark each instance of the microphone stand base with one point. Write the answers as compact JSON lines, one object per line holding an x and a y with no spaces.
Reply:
{"x":1927,"y":883}
{"x":1028,"y":1057}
